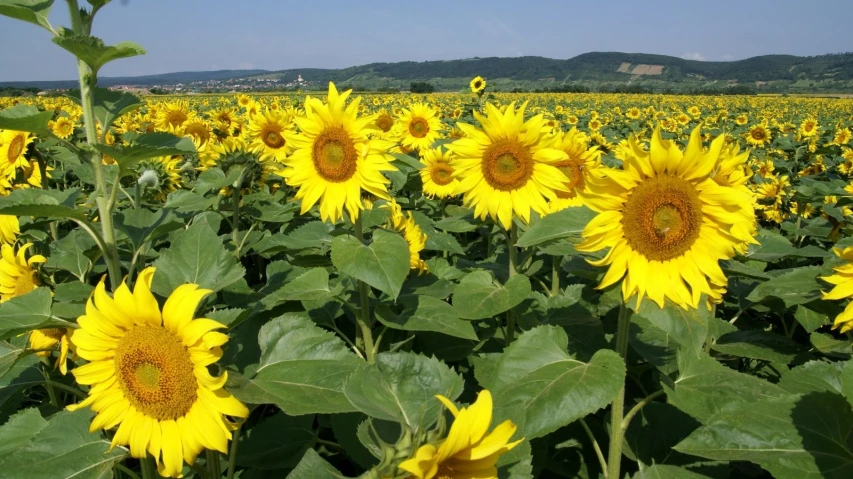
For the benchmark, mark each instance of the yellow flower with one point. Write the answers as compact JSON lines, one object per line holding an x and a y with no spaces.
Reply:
{"x":17,"y":276}
{"x":334,"y":159}
{"x":411,"y":232}
{"x":758,"y":135}
{"x":148,"y":372}
{"x":265,"y":134}
{"x":477,"y":84}
{"x":508,"y":167}
{"x":13,"y":145}
{"x":843,"y":289}
{"x":666,"y":222}
{"x":581,"y":162}
{"x":419,"y":127}
{"x":48,"y":339}
{"x":468,"y":452}
{"x":437,"y":173}
{"x":174,"y":114}
{"x":808,"y":127}
{"x":62,"y":127}
{"x":842,"y":136}
{"x":9,"y":228}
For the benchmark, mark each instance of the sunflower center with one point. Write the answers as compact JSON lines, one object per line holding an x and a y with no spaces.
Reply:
{"x":477,"y":84}
{"x":198,"y":132}
{"x":418,"y":127}
{"x":64,"y":127}
{"x":507,"y":165}
{"x":176,"y":118}
{"x":662,"y":217}
{"x":757,"y":134}
{"x":573,"y":170}
{"x":53,"y":333}
{"x":16,"y":147}
{"x":273,"y":139}
{"x":441,"y":174}
{"x":155,"y":372}
{"x":25,"y":283}
{"x":385,"y":122}
{"x":334,"y":155}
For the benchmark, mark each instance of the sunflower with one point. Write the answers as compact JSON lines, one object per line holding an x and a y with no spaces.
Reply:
{"x":666,"y":221}
{"x":633,"y":113}
{"x":843,"y":288}
{"x":13,"y":145}
{"x":334,"y":159}
{"x":47,"y":339}
{"x":224,"y":120}
{"x":265,"y":134}
{"x":173,"y":114}
{"x":508,"y":166}
{"x":741,"y":120}
{"x":478,"y":84}
{"x":199,"y":132}
{"x":582,"y":161}
{"x":384,"y":121}
{"x":842,"y":136}
{"x":17,"y":275}
{"x":148,"y":373}
{"x":411,"y":232}
{"x":808,"y":128}
{"x":168,"y":172}
{"x":758,"y":135}
{"x":62,"y":127}
{"x":419,"y":126}
{"x":437,"y":173}
{"x":9,"y":229}
{"x":468,"y":451}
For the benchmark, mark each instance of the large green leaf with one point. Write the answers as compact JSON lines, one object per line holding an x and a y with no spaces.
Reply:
{"x":303,"y":368}
{"x":69,"y":254}
{"x":23,"y":117}
{"x":27,"y":312}
{"x":425,"y":313}
{"x":479,"y":296}
{"x":92,"y":50}
{"x":773,"y":246}
{"x":313,"y":285}
{"x":196,"y":256}
{"x":688,"y":327}
{"x":316,"y":234}
{"x":384,"y":264}
{"x":653,"y":344}
{"x":276,"y":443}
{"x":149,"y":145}
{"x":109,"y":104}
{"x":758,"y":344}
{"x":401,"y":387}
{"x":19,"y":429}
{"x":705,"y":387}
{"x":141,"y":225}
{"x":32,"y":11}
{"x":794,"y":286}
{"x":655,"y":430}
{"x":569,"y":222}
{"x":813,"y":376}
{"x":540,"y":387}
{"x":312,"y":466}
{"x":665,"y":471}
{"x":63,"y":448}
{"x":43,"y":204}
{"x":796,"y":437}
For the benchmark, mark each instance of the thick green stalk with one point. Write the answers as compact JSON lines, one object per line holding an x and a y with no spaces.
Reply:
{"x":232,"y":456}
{"x":105,"y":204}
{"x":556,"y":262}
{"x":149,"y":469}
{"x":363,"y":317}
{"x":235,"y":219}
{"x":511,"y":240}
{"x":213,"y":465}
{"x":617,"y":433}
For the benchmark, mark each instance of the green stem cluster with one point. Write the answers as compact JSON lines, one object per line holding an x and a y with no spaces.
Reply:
{"x":617,"y":419}
{"x":363,"y":318}
{"x":511,"y":240}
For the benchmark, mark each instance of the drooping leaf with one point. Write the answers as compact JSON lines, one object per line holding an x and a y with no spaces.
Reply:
{"x":27,"y":312}
{"x":196,"y":256}
{"x":22,"y":117}
{"x":108,"y":105}
{"x":480,"y":296}
{"x":402,"y":387}
{"x":69,"y":254}
{"x":794,"y":286}
{"x":302,"y":370}
{"x":31,"y":11}
{"x":687,"y":327}
{"x":141,"y":225}
{"x":540,"y":387}
{"x":384,"y":264}
{"x":313,"y":285}
{"x":758,"y":344}
{"x":40,"y":203}
{"x":149,"y":145}
{"x":424,"y":313}
{"x":567,"y":223}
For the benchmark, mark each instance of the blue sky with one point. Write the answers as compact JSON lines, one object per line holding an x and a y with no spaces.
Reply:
{"x":192,"y":35}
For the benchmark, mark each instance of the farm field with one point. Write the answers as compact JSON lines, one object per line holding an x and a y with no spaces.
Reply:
{"x":475,"y":285}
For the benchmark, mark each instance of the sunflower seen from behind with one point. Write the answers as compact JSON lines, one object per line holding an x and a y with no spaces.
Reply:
{"x":334,"y":158}
{"x":666,"y":222}
{"x":508,"y":166}
{"x":148,"y":373}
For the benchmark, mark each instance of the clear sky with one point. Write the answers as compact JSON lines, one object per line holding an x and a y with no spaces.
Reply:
{"x":194,"y":35}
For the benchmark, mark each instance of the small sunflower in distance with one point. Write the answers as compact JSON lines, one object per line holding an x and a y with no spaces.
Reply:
{"x":148,"y":372}
{"x":13,"y":145}
{"x":265,"y":134}
{"x":758,"y":135}
{"x":843,"y":288}
{"x":419,"y":127}
{"x":666,"y":222}
{"x":468,"y":451}
{"x":509,"y":166}
{"x":17,"y":273}
{"x":334,"y":158}
{"x":478,"y":84}
{"x":437,"y":174}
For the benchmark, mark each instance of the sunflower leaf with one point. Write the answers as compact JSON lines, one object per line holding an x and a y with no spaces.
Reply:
{"x":31,"y":11}
{"x":424,"y":313}
{"x":149,"y":145}
{"x":312,"y":466}
{"x":40,"y":203}
{"x":567,"y":223}
{"x":109,"y":104}
{"x":479,"y":296}
{"x":23,"y":117}
{"x":384,"y":264}
{"x":27,"y":312}
{"x":92,"y":50}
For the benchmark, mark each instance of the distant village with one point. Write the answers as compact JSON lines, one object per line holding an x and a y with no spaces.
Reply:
{"x":271,"y":82}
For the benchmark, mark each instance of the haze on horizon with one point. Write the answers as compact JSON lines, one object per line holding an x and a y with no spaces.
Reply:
{"x":202,"y":35}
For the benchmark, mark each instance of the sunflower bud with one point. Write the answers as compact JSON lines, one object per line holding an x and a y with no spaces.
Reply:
{"x":148,"y":178}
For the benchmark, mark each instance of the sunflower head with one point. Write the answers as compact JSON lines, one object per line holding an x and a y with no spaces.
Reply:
{"x":478,"y":84}
{"x":411,"y":232}
{"x":437,"y":174}
{"x":10,"y":228}
{"x":18,"y":275}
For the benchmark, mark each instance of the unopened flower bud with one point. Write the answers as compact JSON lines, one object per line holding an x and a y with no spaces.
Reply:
{"x":148,"y":178}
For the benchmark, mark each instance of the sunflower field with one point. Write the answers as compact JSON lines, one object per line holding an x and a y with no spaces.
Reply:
{"x":467,"y":286}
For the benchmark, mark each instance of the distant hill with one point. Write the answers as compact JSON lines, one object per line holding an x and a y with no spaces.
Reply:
{"x":596,"y":70}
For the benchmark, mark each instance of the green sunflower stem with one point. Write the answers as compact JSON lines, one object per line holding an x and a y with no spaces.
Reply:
{"x":363,"y":317}
{"x":511,"y":240}
{"x":617,"y":433}
{"x":235,"y":220}
{"x":556,"y":262}
{"x":232,"y":455}
{"x":213,"y":465}
{"x":149,"y":468}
